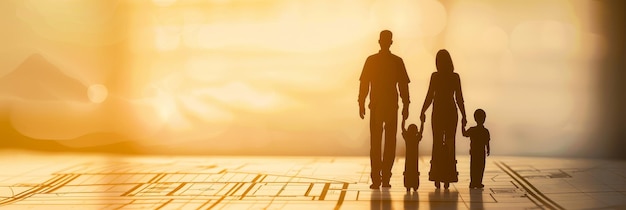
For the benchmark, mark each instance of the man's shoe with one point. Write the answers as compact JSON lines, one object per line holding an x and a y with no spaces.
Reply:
{"x":374,"y":186}
{"x":386,"y":185}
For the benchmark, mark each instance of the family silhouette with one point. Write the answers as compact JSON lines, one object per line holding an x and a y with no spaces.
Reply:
{"x":383,"y":77}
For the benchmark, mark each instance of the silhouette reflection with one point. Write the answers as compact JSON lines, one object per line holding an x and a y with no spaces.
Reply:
{"x":380,"y":199}
{"x":443,"y":199}
{"x":411,"y":200}
{"x":476,"y":199}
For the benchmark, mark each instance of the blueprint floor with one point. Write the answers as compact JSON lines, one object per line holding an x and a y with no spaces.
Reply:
{"x":78,"y":181}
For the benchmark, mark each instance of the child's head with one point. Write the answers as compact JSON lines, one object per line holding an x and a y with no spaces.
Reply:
{"x":479,"y":116}
{"x":412,"y":130}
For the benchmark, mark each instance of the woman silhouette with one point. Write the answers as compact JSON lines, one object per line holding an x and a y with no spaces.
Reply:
{"x":444,"y":88}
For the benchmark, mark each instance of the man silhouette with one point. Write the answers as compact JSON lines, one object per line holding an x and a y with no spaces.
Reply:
{"x":383,"y":75}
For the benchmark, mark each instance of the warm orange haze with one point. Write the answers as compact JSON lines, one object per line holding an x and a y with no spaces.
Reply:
{"x":281,"y":77}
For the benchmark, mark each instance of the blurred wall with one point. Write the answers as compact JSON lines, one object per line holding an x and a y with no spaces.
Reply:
{"x":612,"y":73}
{"x":281,"y":77}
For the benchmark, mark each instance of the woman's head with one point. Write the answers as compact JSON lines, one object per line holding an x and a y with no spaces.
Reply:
{"x":444,"y":61}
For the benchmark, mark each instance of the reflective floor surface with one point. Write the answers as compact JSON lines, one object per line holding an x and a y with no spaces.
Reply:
{"x":31,"y":180}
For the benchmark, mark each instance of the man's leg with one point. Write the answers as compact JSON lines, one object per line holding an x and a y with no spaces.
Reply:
{"x":376,"y":131}
{"x":389,"y":155}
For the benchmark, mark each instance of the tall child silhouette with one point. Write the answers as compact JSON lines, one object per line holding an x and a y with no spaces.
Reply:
{"x":479,"y":137}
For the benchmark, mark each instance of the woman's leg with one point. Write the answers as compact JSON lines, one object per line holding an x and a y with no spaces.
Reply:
{"x":437,"y":153}
{"x":451,"y":174}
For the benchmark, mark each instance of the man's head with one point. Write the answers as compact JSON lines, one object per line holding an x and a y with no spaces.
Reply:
{"x":385,"y":39}
{"x":479,"y":116}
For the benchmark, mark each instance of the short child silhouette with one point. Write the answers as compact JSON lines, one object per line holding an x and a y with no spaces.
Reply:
{"x":412,"y":136}
{"x":479,"y":137}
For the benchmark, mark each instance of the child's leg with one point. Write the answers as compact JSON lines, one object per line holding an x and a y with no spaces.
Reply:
{"x":472,"y":170}
{"x":477,"y":168}
{"x":480,"y":169}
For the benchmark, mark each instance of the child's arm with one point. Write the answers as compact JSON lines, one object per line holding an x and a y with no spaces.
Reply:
{"x":488,"y":140}
{"x":403,"y":128}
{"x":421,"y":131}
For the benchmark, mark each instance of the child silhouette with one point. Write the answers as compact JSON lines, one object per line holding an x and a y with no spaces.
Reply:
{"x":479,"y":137}
{"x":412,"y":136}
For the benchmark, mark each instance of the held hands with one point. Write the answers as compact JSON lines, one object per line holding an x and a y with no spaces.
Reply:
{"x":423,"y":117}
{"x":463,"y":121}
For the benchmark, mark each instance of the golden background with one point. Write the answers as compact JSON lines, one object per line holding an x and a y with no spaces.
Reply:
{"x":280,"y":77}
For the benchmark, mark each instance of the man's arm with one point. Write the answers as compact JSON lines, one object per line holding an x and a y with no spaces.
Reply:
{"x":363,"y":91}
{"x":364,"y":88}
{"x":404,"y":94}
{"x":403,"y":87}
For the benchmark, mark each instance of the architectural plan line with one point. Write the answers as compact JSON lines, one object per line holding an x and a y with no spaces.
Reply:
{"x":66,"y":180}
{"x":186,"y":183}
{"x":164,"y":204}
{"x":173,"y":192}
{"x":342,"y":196}
{"x":529,"y":188}
{"x":324,"y":191}
{"x":21,"y":196}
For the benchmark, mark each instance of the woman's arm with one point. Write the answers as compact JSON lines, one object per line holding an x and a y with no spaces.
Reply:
{"x":430,"y":95}
{"x":459,"y":100}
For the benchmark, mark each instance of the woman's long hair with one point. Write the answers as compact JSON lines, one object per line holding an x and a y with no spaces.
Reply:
{"x":443,"y":61}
